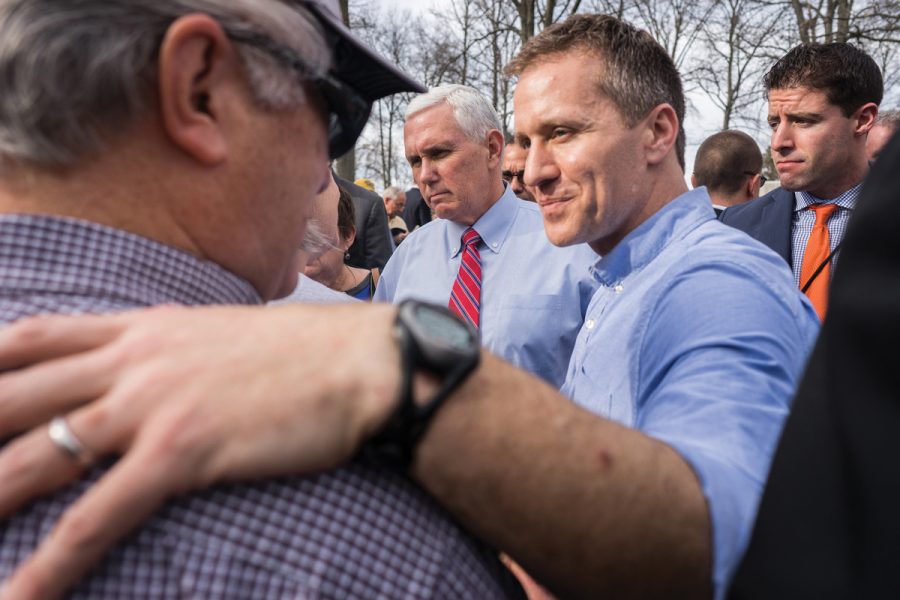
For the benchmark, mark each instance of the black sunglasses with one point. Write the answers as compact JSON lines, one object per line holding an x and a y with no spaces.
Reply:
{"x":762,"y":178}
{"x":348,"y":111}
{"x":510,"y":175}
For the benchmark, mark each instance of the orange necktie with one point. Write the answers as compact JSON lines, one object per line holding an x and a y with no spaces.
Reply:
{"x":818,"y":247}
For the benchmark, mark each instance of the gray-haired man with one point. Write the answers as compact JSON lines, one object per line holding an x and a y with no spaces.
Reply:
{"x":167,"y":151}
{"x":526,"y":296}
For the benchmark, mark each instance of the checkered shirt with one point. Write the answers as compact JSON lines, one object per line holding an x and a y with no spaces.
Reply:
{"x":357,"y":532}
{"x":804,"y":220}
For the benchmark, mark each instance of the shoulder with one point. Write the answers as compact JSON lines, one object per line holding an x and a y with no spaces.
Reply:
{"x":753,"y":208}
{"x":425,"y":234}
{"x":360,"y":195}
{"x":721,"y":266}
{"x":421,"y":243}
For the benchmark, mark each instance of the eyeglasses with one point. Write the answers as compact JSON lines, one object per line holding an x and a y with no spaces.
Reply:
{"x":348,"y":111}
{"x":508,"y":176}
{"x":762,"y":178}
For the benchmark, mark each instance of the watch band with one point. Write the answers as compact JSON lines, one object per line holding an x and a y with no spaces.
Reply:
{"x":394,"y":445}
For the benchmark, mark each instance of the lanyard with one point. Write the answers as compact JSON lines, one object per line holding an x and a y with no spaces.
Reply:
{"x":820,"y":267}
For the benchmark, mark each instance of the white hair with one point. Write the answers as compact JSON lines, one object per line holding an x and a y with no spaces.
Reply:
{"x":473,"y":113}
{"x":393,"y":192}
{"x":75,"y":71}
{"x":315,"y":241}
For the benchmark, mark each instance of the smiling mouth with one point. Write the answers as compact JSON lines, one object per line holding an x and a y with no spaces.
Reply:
{"x":550,"y":201}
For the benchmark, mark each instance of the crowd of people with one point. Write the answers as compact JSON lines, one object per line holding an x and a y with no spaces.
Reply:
{"x":548,"y":369}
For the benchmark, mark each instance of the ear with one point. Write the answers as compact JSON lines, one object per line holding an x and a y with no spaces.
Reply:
{"x":693,"y":180}
{"x":864,"y":118}
{"x":345,"y":244}
{"x":196,"y":65}
{"x":661,"y":131}
{"x":752,"y":186}
{"x":495,"y":148}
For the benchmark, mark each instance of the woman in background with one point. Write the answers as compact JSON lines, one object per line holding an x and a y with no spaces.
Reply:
{"x":330,"y":268}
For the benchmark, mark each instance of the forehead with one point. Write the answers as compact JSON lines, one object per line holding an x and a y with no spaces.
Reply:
{"x":566,"y":85}
{"x":799,"y":99}
{"x":514,"y":152}
{"x":433,"y":126}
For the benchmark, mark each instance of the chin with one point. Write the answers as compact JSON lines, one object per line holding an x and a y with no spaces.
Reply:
{"x":287,"y":285}
{"x":561,"y":236}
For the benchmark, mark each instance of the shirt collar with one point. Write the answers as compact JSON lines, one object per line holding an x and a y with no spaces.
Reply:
{"x":58,"y":255}
{"x":802,"y":200}
{"x":673,"y":221}
{"x":493,"y":226}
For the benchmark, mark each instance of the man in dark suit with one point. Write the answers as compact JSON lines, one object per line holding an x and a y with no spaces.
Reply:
{"x":729,"y":164}
{"x":373,"y":245}
{"x":823,"y":100}
{"x":828,"y":525}
{"x":416,"y":213}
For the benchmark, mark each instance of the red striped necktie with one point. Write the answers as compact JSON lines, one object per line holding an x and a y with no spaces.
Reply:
{"x":465,"y":297}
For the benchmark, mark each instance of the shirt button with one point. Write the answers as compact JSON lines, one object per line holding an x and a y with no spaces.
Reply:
{"x":494,"y":245}
{"x":589,"y":324}
{"x":618,"y":289}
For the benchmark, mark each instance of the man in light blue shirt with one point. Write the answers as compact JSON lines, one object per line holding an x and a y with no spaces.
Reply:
{"x":696,"y":337}
{"x":533,"y":294}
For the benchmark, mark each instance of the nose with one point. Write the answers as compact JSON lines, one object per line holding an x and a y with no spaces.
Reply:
{"x":540,"y":167}
{"x":781,"y":137}
{"x":427,"y":172}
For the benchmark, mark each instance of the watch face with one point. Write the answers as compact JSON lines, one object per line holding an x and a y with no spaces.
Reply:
{"x":446,"y":328}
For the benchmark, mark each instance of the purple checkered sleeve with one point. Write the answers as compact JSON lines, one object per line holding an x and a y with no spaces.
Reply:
{"x":357,"y":532}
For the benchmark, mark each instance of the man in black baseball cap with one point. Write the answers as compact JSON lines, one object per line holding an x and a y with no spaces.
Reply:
{"x":167,"y":152}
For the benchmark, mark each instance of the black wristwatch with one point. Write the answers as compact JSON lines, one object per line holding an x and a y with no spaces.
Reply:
{"x":431,"y":339}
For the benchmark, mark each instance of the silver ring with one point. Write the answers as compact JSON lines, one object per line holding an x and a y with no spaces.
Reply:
{"x":67,"y":442}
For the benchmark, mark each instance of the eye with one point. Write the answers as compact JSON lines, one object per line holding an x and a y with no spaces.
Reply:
{"x":560,"y":132}
{"x":773,"y":123}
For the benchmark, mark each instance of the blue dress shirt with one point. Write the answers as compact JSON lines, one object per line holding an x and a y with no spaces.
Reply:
{"x":697,"y":336}
{"x":804,"y":220}
{"x":533,"y":296}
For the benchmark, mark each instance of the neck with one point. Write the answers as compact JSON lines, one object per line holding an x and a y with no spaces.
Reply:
{"x":348,"y":278}
{"x":833,"y":190}
{"x":661,"y":184}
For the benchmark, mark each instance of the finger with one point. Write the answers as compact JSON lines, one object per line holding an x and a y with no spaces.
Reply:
{"x":132,"y":490}
{"x":29,"y":397}
{"x":31,"y":466}
{"x":52,"y":336}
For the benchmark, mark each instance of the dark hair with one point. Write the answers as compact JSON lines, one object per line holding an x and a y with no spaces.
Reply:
{"x":640,"y":75}
{"x":346,"y":214}
{"x":725,"y":160}
{"x":848,"y":76}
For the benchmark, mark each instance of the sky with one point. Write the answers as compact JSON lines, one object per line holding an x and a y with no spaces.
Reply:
{"x":703,"y":117}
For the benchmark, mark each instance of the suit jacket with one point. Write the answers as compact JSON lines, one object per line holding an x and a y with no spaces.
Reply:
{"x":767,"y":219}
{"x":829,"y":520}
{"x":373,"y":245}
{"x":416,"y":213}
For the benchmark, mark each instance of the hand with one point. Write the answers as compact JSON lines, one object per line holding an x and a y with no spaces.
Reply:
{"x":188,"y":397}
